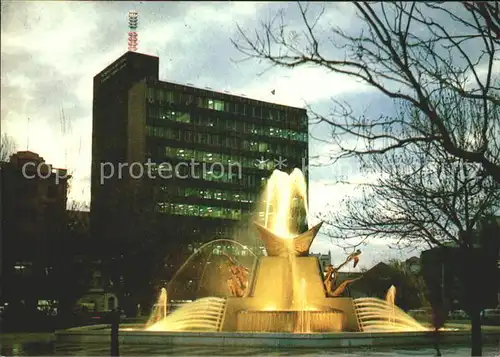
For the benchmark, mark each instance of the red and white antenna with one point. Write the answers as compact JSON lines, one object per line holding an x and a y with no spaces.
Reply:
{"x":133,"y":22}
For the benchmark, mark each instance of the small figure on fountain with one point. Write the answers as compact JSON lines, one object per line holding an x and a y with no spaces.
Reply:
{"x":331,"y":276}
{"x":238,"y":282}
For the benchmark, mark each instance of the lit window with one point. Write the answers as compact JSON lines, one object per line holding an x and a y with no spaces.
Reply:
{"x":203,"y":211}
{"x":183,"y":117}
{"x":218,"y":105}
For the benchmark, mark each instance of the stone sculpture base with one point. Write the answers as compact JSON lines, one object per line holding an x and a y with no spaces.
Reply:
{"x":290,"y":321}
{"x":270,"y":299}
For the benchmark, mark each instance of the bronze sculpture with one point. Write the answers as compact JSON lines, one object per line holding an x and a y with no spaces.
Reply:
{"x":276,"y":246}
{"x":331,"y":277}
{"x":238,"y":282}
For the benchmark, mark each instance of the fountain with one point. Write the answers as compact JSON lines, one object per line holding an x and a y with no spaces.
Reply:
{"x":390,"y":297}
{"x":287,"y":292}
{"x":285,"y":299}
{"x":160,"y":309}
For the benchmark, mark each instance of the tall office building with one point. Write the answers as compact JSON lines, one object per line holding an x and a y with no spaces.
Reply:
{"x":215,"y":150}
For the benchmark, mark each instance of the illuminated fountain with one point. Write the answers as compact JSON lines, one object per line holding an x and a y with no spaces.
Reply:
{"x":204,"y":314}
{"x":283,"y":301}
{"x":160,"y":309}
{"x":377,"y":315}
{"x":390,"y":297}
{"x":286,"y":292}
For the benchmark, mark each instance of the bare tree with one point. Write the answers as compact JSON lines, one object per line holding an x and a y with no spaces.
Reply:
{"x":420,"y":53}
{"x":7,"y":147}
{"x":422,"y":195}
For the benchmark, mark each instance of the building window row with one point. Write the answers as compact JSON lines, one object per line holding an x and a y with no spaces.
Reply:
{"x":260,"y":149}
{"x":188,"y":136}
{"x":168,"y":114}
{"x":235,"y":251}
{"x":211,"y":172}
{"x":199,"y":210}
{"x":221,"y":250}
{"x":162,"y":97}
{"x":216,"y":160}
{"x":227,"y":124}
{"x":211,"y":194}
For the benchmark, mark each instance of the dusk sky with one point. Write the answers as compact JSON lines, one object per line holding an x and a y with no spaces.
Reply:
{"x":51,"y":51}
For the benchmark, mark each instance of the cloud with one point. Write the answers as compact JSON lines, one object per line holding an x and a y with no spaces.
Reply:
{"x":52,"y":50}
{"x":301,"y":87}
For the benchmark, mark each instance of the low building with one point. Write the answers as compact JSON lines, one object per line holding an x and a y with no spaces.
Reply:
{"x":324,"y":259}
{"x":33,"y":214}
{"x":413,"y":264}
{"x":445,"y":270}
{"x":100,"y":297}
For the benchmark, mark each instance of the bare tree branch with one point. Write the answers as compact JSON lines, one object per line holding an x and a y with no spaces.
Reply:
{"x":427,"y":55}
{"x":7,"y":147}
{"x":422,"y":195}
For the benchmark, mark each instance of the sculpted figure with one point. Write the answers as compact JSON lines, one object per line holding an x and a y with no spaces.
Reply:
{"x":238,"y":282}
{"x":330,"y":281}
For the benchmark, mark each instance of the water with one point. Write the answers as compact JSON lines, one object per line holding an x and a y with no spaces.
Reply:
{"x":53,"y":349}
{"x":160,"y":308}
{"x":201,"y":252}
{"x":376,"y":315}
{"x":390,"y":298}
{"x":204,"y":314}
{"x":282,"y":194}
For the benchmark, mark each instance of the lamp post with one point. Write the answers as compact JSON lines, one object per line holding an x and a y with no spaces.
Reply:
{"x":115,"y":323}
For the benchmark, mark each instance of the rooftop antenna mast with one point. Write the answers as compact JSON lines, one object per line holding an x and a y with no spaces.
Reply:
{"x":28,"y":136}
{"x":133,"y":22}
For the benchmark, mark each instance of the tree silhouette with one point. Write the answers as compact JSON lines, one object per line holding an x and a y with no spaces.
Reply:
{"x":422,"y":196}
{"x":425,"y":54}
{"x":7,"y":147}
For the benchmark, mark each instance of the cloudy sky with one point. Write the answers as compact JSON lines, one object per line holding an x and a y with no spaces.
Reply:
{"x":52,"y":49}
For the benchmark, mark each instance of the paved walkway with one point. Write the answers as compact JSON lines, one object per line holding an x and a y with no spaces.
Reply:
{"x":47,"y":349}
{"x":43,"y":345}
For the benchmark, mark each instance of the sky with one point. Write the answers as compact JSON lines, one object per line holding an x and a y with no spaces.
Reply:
{"x":51,"y":51}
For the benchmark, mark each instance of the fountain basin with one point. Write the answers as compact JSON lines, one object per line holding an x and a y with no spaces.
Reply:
{"x":101,"y":334}
{"x":290,"y":321}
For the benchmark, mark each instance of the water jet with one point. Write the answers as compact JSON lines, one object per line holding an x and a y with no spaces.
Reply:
{"x":284,"y":301}
{"x":286,"y":293}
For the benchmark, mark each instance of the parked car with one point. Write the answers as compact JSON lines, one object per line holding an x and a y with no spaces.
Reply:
{"x":490,"y":316}
{"x":101,"y":317}
{"x":420,"y":314}
{"x":459,"y":315}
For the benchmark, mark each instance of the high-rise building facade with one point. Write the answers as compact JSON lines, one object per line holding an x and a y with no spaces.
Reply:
{"x":204,"y":155}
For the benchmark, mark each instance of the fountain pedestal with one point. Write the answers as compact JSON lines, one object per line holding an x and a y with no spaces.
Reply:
{"x":287,"y":294}
{"x":290,"y":321}
{"x":270,"y":299}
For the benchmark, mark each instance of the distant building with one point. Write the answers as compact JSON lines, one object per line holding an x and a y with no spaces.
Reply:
{"x":324,"y":259}
{"x":445,"y":267}
{"x":138,"y":118}
{"x":33,"y":211}
{"x":100,"y":296}
{"x":413,"y":264}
